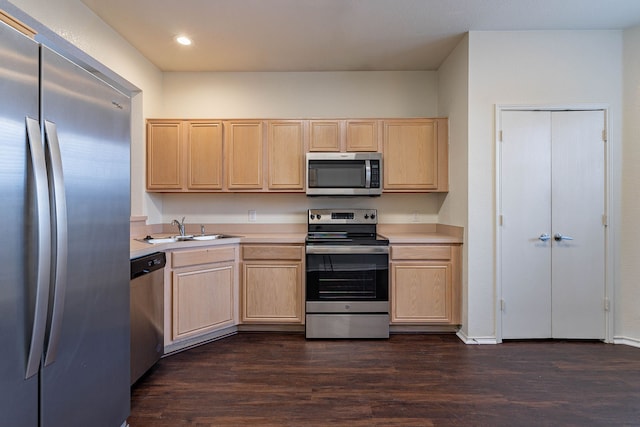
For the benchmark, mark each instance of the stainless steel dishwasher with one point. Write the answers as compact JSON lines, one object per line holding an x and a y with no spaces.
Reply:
{"x":147,"y":312}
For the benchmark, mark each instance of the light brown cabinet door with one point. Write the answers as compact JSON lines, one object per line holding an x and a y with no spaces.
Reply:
{"x":286,"y":149}
{"x":205,"y":159}
{"x":410,"y":155}
{"x":202,"y":300}
{"x":425,"y":284}
{"x":272,"y":284}
{"x":164,"y":155}
{"x":272,"y":292}
{"x":362,"y":135}
{"x":421,"y":293}
{"x":325,"y":135}
{"x":343,"y":135}
{"x":244,"y":154}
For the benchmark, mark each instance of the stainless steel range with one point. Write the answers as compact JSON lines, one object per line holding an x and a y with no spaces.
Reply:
{"x":347,"y":268}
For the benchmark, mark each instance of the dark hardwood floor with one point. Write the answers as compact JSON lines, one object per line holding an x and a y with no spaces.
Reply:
{"x":408,"y":380}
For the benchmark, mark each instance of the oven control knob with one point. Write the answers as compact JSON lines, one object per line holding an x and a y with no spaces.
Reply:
{"x":319,"y":216}
{"x":366,"y":216}
{"x":373,"y":216}
{"x":312,"y":216}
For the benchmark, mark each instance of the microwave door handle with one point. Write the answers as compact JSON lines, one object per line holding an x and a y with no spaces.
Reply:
{"x":367,"y":174}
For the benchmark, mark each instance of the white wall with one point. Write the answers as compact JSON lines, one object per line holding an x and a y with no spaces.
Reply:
{"x":628,"y":299}
{"x":72,"y":22}
{"x":550,"y":67}
{"x":493,"y":67}
{"x":453,"y":102}
{"x":298,"y":95}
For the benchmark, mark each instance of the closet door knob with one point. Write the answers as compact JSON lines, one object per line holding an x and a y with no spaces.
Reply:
{"x":559,"y":237}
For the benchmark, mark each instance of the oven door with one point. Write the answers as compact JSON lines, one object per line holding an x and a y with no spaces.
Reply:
{"x":358,"y":274}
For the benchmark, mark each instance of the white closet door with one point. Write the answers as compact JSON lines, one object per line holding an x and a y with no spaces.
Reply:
{"x":526,"y":215}
{"x":552,"y":182}
{"x":578,"y":205}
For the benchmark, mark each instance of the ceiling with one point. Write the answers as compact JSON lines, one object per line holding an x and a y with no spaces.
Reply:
{"x":336,"y":35}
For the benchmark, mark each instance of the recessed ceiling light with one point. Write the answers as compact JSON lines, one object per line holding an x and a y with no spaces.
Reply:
{"x":183,"y":40}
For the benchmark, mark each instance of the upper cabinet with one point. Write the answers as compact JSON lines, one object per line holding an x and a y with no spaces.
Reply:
{"x":164,"y":155}
{"x":344,"y":135}
{"x":244,"y":155}
{"x":184,"y":155}
{"x":362,"y":135}
{"x":204,"y":155}
{"x":416,"y":155}
{"x":269,"y":155}
{"x":324,"y":135}
{"x":286,"y":147}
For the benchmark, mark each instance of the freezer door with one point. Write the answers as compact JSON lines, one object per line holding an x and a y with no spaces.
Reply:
{"x":18,"y":100}
{"x":85,"y":380}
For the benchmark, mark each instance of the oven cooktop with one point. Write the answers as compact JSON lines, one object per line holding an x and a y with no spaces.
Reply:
{"x":344,"y":227}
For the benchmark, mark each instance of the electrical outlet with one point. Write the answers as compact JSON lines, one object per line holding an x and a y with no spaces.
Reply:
{"x":252,"y":215}
{"x":415,"y":216}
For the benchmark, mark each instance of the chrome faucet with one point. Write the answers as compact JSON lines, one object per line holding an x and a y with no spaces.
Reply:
{"x":180,"y":225}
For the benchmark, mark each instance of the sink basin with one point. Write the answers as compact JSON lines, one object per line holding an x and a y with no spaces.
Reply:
{"x":161,"y":240}
{"x":209,"y":237}
{"x":187,"y":237}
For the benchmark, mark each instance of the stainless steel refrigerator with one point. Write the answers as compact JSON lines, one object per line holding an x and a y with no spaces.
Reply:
{"x":64,"y":249}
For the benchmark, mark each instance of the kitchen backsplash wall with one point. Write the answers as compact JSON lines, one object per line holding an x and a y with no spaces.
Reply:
{"x":292,"y":208}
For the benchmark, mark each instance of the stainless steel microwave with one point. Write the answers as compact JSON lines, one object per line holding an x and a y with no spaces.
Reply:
{"x":344,"y":174}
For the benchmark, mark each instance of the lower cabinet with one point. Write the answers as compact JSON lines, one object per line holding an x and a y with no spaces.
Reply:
{"x":425,"y":284}
{"x":203,"y":295}
{"x":272,"y":286}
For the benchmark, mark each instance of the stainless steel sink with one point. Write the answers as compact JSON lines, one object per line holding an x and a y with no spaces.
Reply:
{"x":173,"y":239}
{"x":209,"y":237}
{"x":154,"y":240}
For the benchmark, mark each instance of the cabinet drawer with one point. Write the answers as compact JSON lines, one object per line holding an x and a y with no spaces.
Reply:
{"x":202,"y":256}
{"x":420,"y":252}
{"x":279,"y":252}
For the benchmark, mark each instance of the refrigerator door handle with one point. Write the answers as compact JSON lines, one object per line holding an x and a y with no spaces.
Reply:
{"x":38,"y":163}
{"x":52,"y":148}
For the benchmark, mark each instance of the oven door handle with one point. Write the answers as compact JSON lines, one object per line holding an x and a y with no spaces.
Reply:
{"x":342,"y":250}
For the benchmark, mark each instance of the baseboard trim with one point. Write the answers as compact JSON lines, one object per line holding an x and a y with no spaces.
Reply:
{"x":270,"y":327}
{"x":423,"y":329}
{"x":476,"y":340}
{"x":633,"y":342}
{"x":179,"y":346}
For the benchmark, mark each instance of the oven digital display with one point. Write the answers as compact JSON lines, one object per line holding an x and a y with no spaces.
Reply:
{"x":342,"y":215}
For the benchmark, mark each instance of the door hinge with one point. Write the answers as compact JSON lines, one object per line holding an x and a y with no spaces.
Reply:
{"x":502,"y":304}
{"x":607,"y":305}
{"x":500,"y":136}
{"x":604,"y":135}
{"x":500,"y":220}
{"x":605,"y":220}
